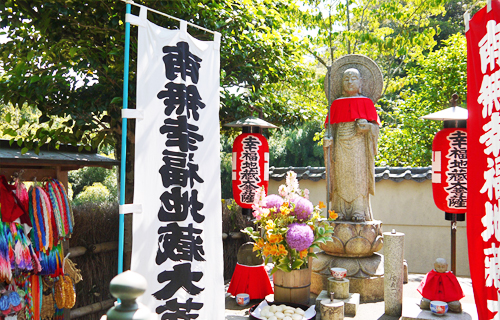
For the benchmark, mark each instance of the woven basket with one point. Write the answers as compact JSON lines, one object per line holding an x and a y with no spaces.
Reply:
{"x":48,"y":307}
{"x":71,"y":270}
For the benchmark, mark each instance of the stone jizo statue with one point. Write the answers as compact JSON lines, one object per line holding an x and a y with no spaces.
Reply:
{"x":442,"y":285}
{"x":350,"y":146}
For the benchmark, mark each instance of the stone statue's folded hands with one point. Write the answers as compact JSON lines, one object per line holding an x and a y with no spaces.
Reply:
{"x":363,"y":125}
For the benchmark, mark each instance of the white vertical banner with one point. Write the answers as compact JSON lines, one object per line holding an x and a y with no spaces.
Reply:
{"x":177,"y":239}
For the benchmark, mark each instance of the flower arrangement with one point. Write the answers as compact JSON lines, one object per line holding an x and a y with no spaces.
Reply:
{"x":288,"y":225}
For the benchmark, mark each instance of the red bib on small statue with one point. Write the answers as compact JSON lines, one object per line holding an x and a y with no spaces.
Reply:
{"x":351,"y":108}
{"x":441,"y":287}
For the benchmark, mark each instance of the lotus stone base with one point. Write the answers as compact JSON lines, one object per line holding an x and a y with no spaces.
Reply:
{"x":354,"y":239}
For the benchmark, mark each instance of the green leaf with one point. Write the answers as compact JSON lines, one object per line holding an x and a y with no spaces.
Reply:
{"x":8,"y":117}
{"x":24,"y":150}
{"x":117,"y":100}
{"x":285,"y":267}
{"x":321,"y":231}
{"x":296,"y":264}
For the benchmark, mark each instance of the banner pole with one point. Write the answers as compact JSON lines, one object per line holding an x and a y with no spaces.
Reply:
{"x":123,"y":162}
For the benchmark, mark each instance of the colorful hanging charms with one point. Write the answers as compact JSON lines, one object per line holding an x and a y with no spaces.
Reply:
{"x":62,"y":211}
{"x":52,"y":261}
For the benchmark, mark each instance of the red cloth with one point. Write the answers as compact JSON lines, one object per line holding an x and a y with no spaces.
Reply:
{"x":253,"y":280}
{"x":9,"y":207}
{"x":440,"y":286}
{"x":350,"y":109}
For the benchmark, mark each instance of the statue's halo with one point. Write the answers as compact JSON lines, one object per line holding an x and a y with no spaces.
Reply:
{"x":371,"y":76}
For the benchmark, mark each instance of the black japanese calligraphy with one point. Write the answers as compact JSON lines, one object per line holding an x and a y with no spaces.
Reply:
{"x":250,"y":171}
{"x":178,"y":60}
{"x":180,"y":241}
{"x":457,"y":170}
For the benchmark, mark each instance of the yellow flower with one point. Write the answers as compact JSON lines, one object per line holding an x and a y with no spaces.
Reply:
{"x":284,"y":209}
{"x":303,"y":253}
{"x":258,"y":245}
{"x":282,"y":250}
{"x":321,"y":205}
{"x":332,"y":214}
{"x":316,"y":216}
{"x":269,"y":224}
{"x":275,"y":238}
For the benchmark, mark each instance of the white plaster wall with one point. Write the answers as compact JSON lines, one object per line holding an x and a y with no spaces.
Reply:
{"x":408,"y":207}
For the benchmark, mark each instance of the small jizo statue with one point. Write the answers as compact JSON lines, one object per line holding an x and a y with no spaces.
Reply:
{"x":442,"y":285}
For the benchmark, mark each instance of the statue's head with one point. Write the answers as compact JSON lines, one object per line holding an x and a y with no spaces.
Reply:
{"x":351,"y":83}
{"x":440,"y":265}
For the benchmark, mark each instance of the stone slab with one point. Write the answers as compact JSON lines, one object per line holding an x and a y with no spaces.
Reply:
{"x":351,"y":304}
{"x":370,"y":289}
{"x":412,"y":311}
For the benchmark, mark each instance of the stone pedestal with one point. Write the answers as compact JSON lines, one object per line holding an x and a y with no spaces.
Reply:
{"x":332,"y":310}
{"x":393,"y":266}
{"x":339,"y":287}
{"x":370,"y":286}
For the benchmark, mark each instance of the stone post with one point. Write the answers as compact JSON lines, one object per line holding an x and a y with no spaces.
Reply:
{"x":332,"y":310}
{"x":127,"y":287}
{"x":393,"y":269}
{"x":339,"y":287}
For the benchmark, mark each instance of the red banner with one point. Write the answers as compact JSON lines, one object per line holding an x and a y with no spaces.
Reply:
{"x":483,"y":216}
{"x":250,"y":167}
{"x":449,"y":170}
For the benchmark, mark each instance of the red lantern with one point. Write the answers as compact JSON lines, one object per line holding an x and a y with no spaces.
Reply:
{"x":250,"y":167}
{"x":449,"y":170}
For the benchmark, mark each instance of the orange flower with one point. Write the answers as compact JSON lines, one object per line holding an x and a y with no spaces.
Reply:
{"x":267,"y":250}
{"x":303,"y":253}
{"x":312,"y":227}
{"x":332,"y":214}
{"x":274,"y":250}
{"x":275,"y":238}
{"x":282,"y":250}
{"x":321,"y":205}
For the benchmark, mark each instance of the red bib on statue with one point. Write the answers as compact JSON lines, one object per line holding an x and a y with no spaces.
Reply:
{"x":440,"y":286}
{"x":350,"y":109}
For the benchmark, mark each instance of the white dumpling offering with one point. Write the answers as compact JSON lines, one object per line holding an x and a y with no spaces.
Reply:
{"x":279,"y":315}
{"x":299,"y":311}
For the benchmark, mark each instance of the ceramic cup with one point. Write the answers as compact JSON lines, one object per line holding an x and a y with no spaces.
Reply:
{"x":242,"y":299}
{"x":338,"y":273}
{"x":439,"y":307}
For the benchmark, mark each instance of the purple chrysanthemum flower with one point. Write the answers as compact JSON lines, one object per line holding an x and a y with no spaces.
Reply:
{"x":273,"y":201}
{"x":303,"y":208}
{"x":299,"y":236}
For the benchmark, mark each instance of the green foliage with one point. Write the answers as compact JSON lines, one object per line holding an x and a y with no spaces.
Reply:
{"x":405,"y":139}
{"x":294,"y":146}
{"x":68,"y":61}
{"x":85,"y":177}
{"x":96,"y":193}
